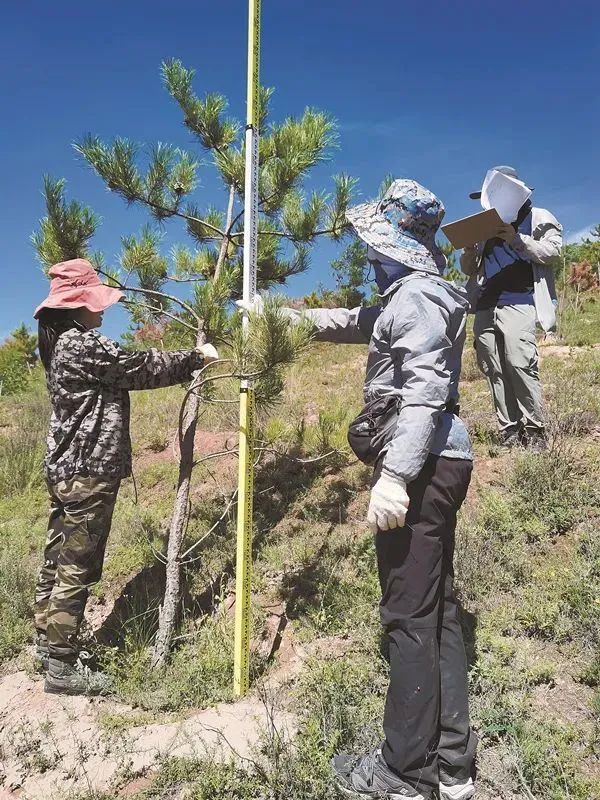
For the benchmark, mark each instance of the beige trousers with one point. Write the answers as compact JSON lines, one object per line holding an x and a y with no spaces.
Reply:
{"x":507,"y":355}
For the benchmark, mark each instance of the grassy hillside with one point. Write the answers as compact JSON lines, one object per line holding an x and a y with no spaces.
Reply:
{"x":528,"y":574}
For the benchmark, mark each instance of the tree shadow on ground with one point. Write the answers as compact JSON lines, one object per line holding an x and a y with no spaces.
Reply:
{"x":279,"y":483}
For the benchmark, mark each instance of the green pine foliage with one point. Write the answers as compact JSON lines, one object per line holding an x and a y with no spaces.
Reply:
{"x":194,"y":284}
{"x":66,"y":231}
{"x":164,"y":179}
{"x":352,"y":278}
{"x":17,"y":357}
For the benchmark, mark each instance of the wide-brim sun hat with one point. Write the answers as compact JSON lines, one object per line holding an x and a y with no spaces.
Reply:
{"x":511,"y":172}
{"x":403,"y":225}
{"x":75,"y":284}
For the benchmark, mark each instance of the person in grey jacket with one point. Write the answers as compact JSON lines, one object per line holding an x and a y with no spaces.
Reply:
{"x":415,"y":341}
{"x":513,"y":280}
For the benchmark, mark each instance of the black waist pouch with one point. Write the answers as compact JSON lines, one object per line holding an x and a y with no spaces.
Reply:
{"x":374,"y":427}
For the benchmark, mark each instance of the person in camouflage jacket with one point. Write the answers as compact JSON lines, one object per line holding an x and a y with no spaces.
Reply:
{"x":89,"y":383}
{"x":88,"y":453}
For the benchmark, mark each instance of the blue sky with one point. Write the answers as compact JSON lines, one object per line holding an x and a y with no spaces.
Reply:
{"x":437,"y":92}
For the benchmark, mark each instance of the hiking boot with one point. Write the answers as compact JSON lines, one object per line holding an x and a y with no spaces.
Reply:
{"x":510,"y":438}
{"x":536,"y":440}
{"x":41,"y":651}
{"x":455,"y":788}
{"x":370,"y":777}
{"x":65,"y":678}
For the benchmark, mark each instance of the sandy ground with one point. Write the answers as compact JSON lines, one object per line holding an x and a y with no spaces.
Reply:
{"x":52,"y":745}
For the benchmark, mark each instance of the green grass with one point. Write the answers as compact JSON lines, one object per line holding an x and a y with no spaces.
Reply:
{"x":579,"y":319}
{"x":527,"y":573}
{"x":22,"y":532}
{"x":23,"y":429}
{"x":549,"y":754}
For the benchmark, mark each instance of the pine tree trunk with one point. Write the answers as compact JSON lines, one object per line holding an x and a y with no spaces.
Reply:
{"x":167,"y":615}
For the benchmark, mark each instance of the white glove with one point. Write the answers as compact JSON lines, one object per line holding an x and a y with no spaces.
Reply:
{"x":255,"y":306}
{"x":208,"y":353}
{"x":388,"y":505}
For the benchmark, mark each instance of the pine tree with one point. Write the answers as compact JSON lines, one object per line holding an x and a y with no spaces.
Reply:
{"x":163,"y":180}
{"x":25,"y":341}
{"x":351,"y":272}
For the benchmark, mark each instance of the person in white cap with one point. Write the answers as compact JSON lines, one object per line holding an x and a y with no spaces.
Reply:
{"x":513,"y":276}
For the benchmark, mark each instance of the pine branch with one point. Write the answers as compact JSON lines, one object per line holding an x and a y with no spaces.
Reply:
{"x":336,"y":218}
{"x":204,"y":118}
{"x":159,"y":311}
{"x":152,"y":293}
{"x":201,"y":263}
{"x":141,"y":255}
{"x":66,"y":231}
{"x":116,"y":166}
{"x":202,"y":229}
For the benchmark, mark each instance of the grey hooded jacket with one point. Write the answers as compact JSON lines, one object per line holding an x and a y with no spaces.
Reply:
{"x":415,"y":347}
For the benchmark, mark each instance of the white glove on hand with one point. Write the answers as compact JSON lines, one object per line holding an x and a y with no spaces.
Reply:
{"x":388,"y":505}
{"x":255,"y":306}
{"x":208,"y":353}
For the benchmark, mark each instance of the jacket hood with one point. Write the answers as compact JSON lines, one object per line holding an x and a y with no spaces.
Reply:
{"x":457,"y":293}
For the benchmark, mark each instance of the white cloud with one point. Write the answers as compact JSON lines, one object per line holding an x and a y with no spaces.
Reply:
{"x":579,"y":236}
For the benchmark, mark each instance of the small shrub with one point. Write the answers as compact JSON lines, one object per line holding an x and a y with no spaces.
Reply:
{"x":14,"y":370}
{"x":549,"y":761}
{"x":590,"y":675}
{"x":21,"y":456}
{"x":210,"y":780}
{"x":339,"y":593}
{"x":16,"y":593}
{"x":541,"y":613}
{"x":548,"y":487}
{"x":582,"y":588}
{"x":163,"y":471}
{"x":23,"y":442}
{"x":583,"y":276}
{"x":490,"y":552}
{"x":197,"y":675}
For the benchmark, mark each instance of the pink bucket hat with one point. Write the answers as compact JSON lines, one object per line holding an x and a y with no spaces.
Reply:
{"x":74,"y":284}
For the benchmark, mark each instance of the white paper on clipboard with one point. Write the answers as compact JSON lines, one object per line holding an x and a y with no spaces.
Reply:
{"x":503,"y":193}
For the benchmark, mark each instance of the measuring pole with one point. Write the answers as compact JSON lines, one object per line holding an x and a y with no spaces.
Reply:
{"x":243,"y":577}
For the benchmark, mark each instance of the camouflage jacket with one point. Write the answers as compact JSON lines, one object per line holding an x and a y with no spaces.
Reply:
{"x":89,"y":380}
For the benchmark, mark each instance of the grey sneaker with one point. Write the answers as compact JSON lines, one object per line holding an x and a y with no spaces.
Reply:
{"x":370,"y":777}
{"x":456,"y":788}
{"x":510,"y":438}
{"x":63,"y":678}
{"x":41,"y":651}
{"x":536,"y":440}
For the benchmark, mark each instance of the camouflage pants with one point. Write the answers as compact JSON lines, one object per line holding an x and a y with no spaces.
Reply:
{"x":81,"y":512}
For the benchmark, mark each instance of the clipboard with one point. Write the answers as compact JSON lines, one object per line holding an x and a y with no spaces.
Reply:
{"x":471,"y":230}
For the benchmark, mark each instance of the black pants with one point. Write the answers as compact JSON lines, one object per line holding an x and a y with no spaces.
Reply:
{"x":426,"y":718}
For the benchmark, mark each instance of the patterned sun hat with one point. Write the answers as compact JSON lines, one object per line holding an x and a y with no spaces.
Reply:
{"x":402,"y":225}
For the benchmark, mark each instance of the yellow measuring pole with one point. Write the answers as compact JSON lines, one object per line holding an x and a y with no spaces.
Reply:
{"x":243,"y":577}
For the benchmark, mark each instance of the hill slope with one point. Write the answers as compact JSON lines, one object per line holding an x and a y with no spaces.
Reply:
{"x":528,"y":573}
